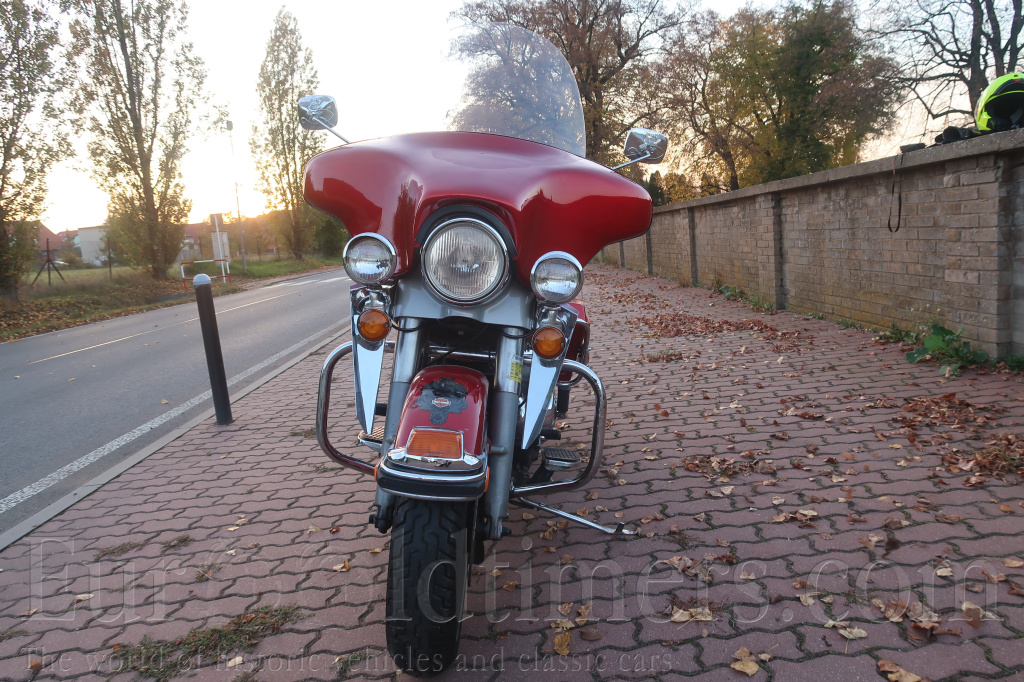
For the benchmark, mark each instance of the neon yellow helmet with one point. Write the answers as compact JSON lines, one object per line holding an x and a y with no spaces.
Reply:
{"x":1001,"y":106}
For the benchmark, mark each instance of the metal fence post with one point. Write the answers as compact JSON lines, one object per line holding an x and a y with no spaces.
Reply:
{"x":211,"y":341}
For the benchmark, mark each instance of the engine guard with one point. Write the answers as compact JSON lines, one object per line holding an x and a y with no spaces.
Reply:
{"x":441,"y":446}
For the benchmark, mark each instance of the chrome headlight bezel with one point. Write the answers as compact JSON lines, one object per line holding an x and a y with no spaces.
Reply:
{"x":389,"y":249}
{"x":547,"y":295}
{"x":495,"y":286}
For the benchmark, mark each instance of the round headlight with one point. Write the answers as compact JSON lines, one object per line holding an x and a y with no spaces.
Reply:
{"x":557,"y":277}
{"x":464,"y":260}
{"x":369,"y":259}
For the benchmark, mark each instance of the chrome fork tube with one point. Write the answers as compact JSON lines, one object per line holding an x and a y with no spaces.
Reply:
{"x":407,"y":354}
{"x":504,"y":416}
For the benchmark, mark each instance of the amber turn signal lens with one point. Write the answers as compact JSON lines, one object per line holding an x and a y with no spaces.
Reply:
{"x":374,"y":325}
{"x":548,"y":342}
{"x":433,"y":443}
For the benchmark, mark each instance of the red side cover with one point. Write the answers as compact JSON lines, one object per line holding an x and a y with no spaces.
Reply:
{"x":549,"y":199}
{"x":447,"y":397}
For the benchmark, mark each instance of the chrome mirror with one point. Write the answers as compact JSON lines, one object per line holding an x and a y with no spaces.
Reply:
{"x":318,"y":112}
{"x":646,"y":146}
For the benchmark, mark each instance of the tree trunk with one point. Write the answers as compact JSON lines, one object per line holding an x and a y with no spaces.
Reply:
{"x":9,"y":292}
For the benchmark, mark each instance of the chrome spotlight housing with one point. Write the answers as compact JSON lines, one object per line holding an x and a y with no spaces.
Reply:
{"x":369,"y":259}
{"x":557,"y":277}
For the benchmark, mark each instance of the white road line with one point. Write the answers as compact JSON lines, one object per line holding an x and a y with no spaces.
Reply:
{"x":39,"y":486}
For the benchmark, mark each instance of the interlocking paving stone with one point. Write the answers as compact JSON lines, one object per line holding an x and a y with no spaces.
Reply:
{"x":302,"y":517}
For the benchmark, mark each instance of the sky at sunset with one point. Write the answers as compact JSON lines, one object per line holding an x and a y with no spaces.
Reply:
{"x":385,"y":62}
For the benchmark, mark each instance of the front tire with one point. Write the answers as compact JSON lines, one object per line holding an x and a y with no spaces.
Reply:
{"x":427,"y":577}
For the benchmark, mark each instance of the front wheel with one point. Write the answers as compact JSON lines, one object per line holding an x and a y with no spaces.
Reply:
{"x":427,"y":577}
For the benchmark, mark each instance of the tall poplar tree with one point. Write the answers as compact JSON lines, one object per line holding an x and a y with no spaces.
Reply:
{"x":139,"y":93}
{"x":280,"y":147}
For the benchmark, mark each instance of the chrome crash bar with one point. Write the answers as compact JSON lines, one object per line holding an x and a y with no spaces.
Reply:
{"x":323,"y":402}
{"x":596,"y":444}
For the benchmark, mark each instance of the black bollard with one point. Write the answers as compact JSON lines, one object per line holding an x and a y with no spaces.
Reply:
{"x":211,"y":341}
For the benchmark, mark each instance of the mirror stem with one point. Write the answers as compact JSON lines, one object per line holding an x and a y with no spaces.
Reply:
{"x":621,"y":165}
{"x":335,"y":133}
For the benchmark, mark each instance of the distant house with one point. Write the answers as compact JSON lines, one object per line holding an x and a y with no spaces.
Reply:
{"x":70,"y":238}
{"x":94,"y":248}
{"x":190,"y":249}
{"x":45,"y":236}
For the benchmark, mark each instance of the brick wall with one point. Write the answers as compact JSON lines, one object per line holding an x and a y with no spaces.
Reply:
{"x":820,"y":244}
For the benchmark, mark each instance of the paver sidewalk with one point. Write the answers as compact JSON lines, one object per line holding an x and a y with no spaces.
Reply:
{"x":791,"y":491}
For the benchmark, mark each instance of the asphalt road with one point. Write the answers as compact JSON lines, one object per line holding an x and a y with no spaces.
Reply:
{"x":75,"y":402}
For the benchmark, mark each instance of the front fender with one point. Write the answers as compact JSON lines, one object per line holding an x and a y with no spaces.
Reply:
{"x":441,"y":446}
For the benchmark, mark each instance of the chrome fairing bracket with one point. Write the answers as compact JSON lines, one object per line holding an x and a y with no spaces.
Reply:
{"x":367,"y":357}
{"x":544,"y":373}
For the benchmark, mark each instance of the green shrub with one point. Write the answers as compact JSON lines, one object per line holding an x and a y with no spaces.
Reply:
{"x":949,"y":348}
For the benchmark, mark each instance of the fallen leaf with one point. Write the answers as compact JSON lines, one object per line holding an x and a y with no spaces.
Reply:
{"x":36,"y":665}
{"x":562,"y":640}
{"x":334,"y":529}
{"x":592,"y":495}
{"x":231,"y":552}
{"x":27,"y":614}
{"x":902,"y":675}
{"x":313,"y":528}
{"x":376,"y":550}
{"x":582,"y":613}
{"x":342,"y":567}
{"x":1013,"y":563}
{"x":747,"y":576}
{"x":236,"y":661}
{"x":972,"y":612}
{"x":681,"y":615}
{"x":566,"y":559}
{"x":510,"y":586}
{"x":778,"y":499}
{"x":591,"y":634}
{"x":527,"y":516}
{"x":84,"y":597}
{"x":565,"y":608}
{"x":748,"y":666}
{"x":852,"y":633}
{"x":164,"y":402}
{"x":944,"y":572}
{"x":1006,"y":509}
{"x":893,"y":523}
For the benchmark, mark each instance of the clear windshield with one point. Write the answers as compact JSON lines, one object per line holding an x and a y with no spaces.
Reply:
{"x":518,"y":85}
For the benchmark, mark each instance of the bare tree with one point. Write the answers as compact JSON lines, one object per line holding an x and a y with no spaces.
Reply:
{"x":279,"y":145}
{"x":949,"y":50}
{"x":30,"y":143}
{"x":139,"y":93}
{"x":610,"y":45}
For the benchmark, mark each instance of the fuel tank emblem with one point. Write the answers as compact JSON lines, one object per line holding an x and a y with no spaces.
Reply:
{"x":441,"y":398}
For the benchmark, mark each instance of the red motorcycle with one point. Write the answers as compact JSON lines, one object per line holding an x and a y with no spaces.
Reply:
{"x":469,"y":245}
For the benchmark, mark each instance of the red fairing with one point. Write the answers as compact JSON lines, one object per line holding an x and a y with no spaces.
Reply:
{"x":549,"y":199}
{"x":447,"y":397}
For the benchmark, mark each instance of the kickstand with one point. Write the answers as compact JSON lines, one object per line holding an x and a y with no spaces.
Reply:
{"x":620,"y":528}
